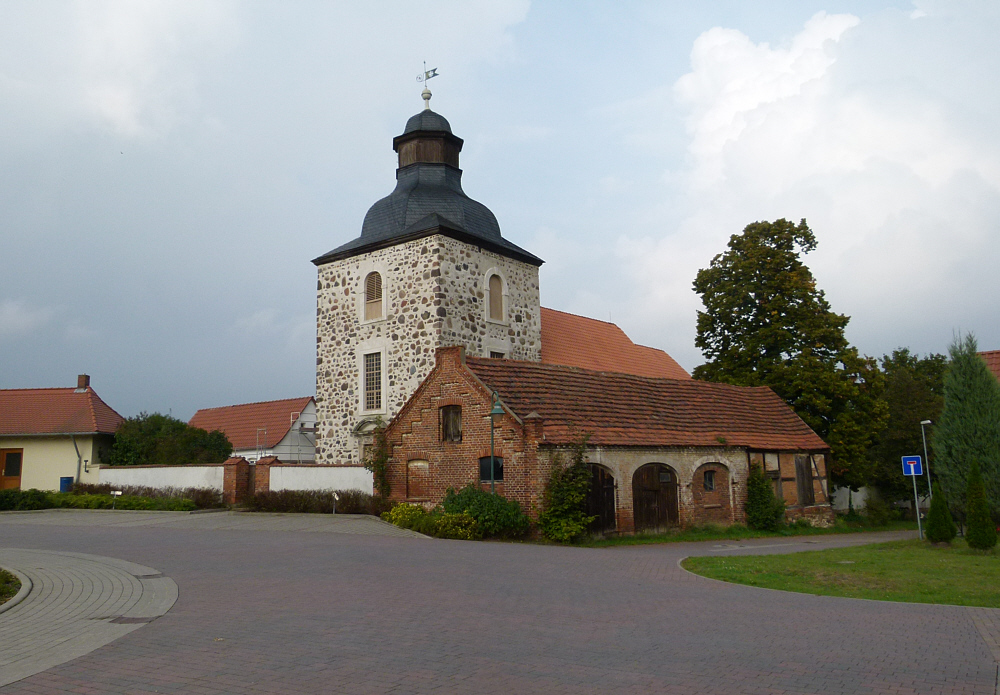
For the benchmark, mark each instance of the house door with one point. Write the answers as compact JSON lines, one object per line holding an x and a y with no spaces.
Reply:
{"x":10,"y":468}
{"x":601,"y":499}
{"x":654,"y":497}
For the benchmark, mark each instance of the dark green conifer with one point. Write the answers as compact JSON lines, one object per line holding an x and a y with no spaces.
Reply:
{"x":981,"y":532}
{"x":940,"y":525}
{"x":763,"y":511}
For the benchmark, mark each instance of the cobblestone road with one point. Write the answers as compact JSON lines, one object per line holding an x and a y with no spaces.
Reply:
{"x":267,"y":608}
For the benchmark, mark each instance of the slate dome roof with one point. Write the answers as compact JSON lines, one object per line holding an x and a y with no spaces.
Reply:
{"x":427,"y":120}
{"x":428,"y":199}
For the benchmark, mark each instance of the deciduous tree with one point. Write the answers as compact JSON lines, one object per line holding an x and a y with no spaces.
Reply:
{"x":766,"y":323}
{"x":155,"y":439}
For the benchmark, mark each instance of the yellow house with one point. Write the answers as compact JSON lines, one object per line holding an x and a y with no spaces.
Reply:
{"x":50,"y":438}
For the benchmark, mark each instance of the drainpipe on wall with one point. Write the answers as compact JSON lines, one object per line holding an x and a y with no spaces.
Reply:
{"x":79,"y":458}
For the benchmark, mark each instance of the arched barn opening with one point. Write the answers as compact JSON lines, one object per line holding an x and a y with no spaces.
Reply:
{"x":601,"y":499}
{"x":654,"y":497}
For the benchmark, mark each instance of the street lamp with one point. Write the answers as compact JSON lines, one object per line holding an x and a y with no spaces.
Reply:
{"x":495,"y":416}
{"x":927,"y":461}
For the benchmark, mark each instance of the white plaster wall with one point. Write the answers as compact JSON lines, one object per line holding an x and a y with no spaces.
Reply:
{"x":321,"y":478}
{"x":164,"y":476}
{"x":434,"y":296}
{"x":46,"y":459}
{"x":842,"y":498}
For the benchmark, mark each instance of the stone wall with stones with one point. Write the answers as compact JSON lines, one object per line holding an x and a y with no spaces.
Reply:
{"x":434,"y":295}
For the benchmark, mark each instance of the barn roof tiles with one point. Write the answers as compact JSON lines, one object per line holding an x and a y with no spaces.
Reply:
{"x":628,"y":410}
{"x":55,"y":411}
{"x":992,"y":358}
{"x":577,"y":341}
{"x":241,"y":422}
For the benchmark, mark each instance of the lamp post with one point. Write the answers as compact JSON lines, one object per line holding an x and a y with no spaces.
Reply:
{"x":927,"y":461}
{"x":495,"y":416}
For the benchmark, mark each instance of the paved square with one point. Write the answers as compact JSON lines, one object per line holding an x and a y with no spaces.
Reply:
{"x":296,"y":604}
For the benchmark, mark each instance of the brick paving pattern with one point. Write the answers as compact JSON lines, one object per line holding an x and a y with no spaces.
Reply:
{"x":271,"y":610}
{"x":76,"y":604}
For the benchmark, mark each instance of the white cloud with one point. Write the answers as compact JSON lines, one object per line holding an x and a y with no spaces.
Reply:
{"x":903,"y":197}
{"x":17,"y":318}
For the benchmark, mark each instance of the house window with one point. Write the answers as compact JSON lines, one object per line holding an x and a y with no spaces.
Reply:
{"x":709,"y":481}
{"x":451,"y":423}
{"x":373,"y":381}
{"x":373,"y":297}
{"x":496,"y":355}
{"x":496,"y":298}
{"x":804,"y":480}
{"x":484,"y":468}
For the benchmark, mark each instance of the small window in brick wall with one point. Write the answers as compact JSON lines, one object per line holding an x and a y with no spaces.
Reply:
{"x":496,"y":355}
{"x":709,"y":481}
{"x":451,"y":423}
{"x":484,"y":468}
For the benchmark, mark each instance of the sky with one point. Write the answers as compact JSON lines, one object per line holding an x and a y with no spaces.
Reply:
{"x":169,"y":169}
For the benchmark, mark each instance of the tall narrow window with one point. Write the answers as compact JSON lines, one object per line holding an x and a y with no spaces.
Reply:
{"x":709,"y":481}
{"x":451,"y":423}
{"x":373,"y":381}
{"x":373,"y":296}
{"x":496,"y":298}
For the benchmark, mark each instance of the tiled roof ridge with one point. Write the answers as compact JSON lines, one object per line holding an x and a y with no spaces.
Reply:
{"x":581,"y":316}
{"x":490,"y":361}
{"x":46,"y":388}
{"x":240,"y":405}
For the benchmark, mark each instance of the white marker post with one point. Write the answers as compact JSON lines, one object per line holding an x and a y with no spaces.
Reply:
{"x":912,"y":468}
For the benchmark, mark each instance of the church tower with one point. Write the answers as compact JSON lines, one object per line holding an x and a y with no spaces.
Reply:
{"x":429,"y":270}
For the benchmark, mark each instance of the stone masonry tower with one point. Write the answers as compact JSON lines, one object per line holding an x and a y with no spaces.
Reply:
{"x":429,"y":270}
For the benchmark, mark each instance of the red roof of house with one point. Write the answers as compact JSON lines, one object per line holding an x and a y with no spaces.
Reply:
{"x":577,"y":341}
{"x":627,"y":410}
{"x":55,"y":411}
{"x":992,"y":358}
{"x":241,"y":422}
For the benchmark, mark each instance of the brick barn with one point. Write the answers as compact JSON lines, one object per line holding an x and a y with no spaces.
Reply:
{"x":662,"y":452}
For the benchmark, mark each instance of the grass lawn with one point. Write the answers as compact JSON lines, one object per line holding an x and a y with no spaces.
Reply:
{"x":899,"y":571}
{"x":9,"y":586}
{"x":737,"y":532}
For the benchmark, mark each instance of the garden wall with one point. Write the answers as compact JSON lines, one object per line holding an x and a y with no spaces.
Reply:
{"x":209,"y":475}
{"x":303,"y":476}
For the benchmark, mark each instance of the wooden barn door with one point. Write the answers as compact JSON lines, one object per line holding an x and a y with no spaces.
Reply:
{"x":654,"y":497}
{"x":601,"y":499}
{"x":10,"y":468}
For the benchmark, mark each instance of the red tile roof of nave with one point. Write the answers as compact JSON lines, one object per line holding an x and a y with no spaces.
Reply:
{"x":992,"y":358}
{"x":240,"y":422}
{"x":55,"y":411}
{"x":577,"y":341}
{"x":627,"y":410}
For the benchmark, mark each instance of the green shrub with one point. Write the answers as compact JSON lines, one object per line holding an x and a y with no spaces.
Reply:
{"x":878,"y":512}
{"x":69,"y":500}
{"x":460,"y":526}
{"x":358,"y":502}
{"x":24,"y":500}
{"x":940,"y":526}
{"x":564,"y":516}
{"x":9,"y":586}
{"x":203,"y":497}
{"x":496,"y":516}
{"x":764,"y":511}
{"x":404,"y":515}
{"x":981,"y":532}
{"x":292,"y":501}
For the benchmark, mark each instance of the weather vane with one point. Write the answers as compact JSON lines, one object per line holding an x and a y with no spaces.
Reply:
{"x":427,"y":74}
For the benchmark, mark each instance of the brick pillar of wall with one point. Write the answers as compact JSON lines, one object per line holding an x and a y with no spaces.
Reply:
{"x":235,"y":480}
{"x":262,"y":480}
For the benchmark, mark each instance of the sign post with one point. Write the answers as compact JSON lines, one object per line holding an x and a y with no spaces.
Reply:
{"x":913,"y":468}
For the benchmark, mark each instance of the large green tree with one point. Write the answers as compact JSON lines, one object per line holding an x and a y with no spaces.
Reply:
{"x":914,"y":391}
{"x":766,"y":323}
{"x":155,"y":439}
{"x":969,"y":427}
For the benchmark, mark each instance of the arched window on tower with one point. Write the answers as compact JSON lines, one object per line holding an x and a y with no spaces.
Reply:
{"x":496,"y":298}
{"x":373,"y":296}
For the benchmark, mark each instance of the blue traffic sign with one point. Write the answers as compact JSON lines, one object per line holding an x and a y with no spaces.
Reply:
{"x":912,"y":465}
